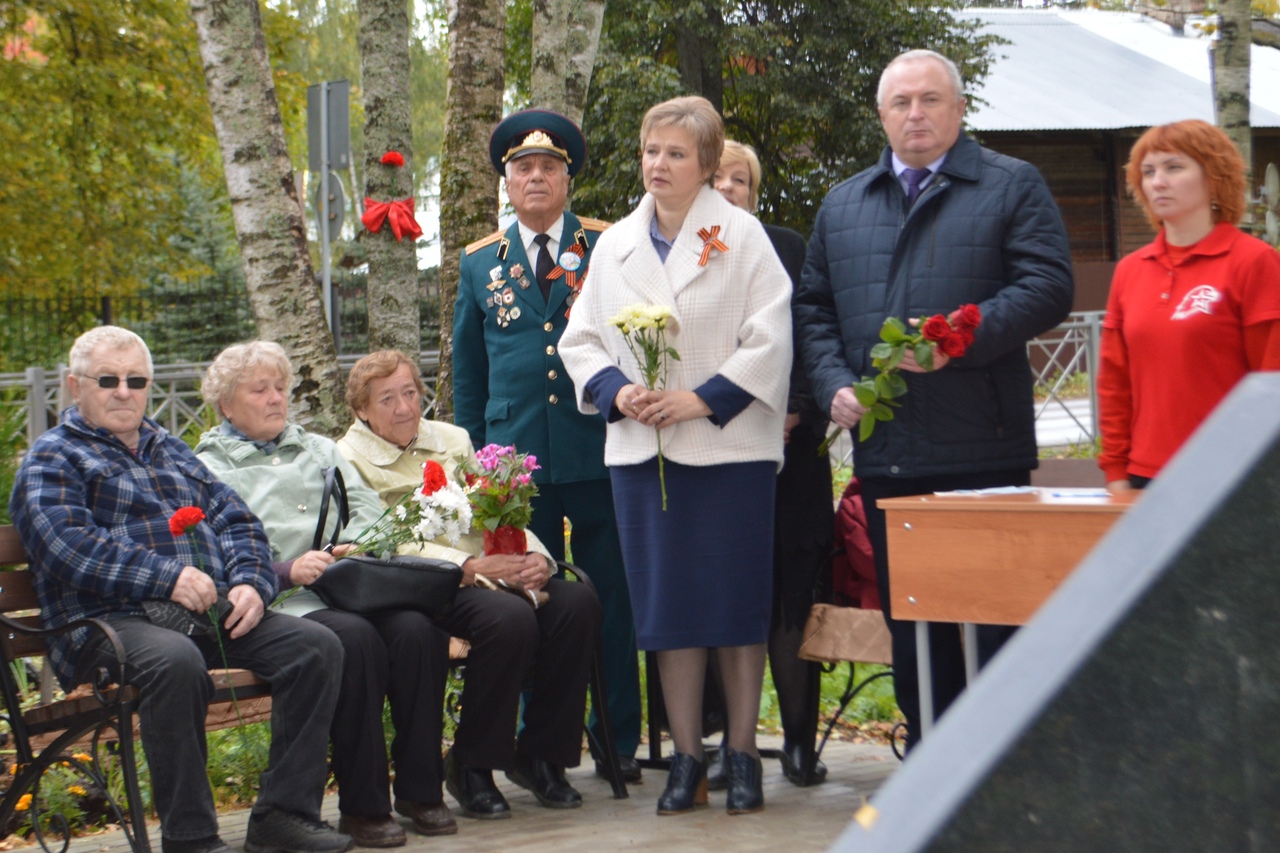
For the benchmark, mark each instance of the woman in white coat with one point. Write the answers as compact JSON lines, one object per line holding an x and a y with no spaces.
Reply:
{"x":699,"y":571}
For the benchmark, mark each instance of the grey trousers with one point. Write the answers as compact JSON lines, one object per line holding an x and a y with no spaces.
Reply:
{"x":299,"y":658}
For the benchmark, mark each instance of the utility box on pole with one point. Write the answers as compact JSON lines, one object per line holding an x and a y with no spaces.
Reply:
{"x":329,"y":146}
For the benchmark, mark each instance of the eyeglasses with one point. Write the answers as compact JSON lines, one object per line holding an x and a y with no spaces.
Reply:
{"x":110,"y":383}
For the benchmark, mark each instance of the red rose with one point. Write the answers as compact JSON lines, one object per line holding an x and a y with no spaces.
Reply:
{"x":936,"y":328}
{"x":953,"y":345}
{"x":393,"y":158}
{"x":967,"y":317}
{"x":433,"y":477}
{"x":185,"y":518}
{"x":967,"y":334}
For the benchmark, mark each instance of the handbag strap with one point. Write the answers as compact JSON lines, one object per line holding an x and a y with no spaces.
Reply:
{"x":334,"y":486}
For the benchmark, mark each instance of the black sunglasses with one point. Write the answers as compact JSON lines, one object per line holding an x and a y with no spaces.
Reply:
{"x":133,"y":383}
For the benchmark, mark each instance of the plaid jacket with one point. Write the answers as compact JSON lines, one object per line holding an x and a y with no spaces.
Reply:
{"x":94,"y":519}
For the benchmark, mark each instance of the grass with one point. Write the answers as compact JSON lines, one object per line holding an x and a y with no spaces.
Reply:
{"x":1076,"y":450}
{"x":1073,"y":387}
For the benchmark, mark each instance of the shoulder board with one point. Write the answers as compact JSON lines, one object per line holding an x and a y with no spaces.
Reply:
{"x":485,"y":241}
{"x":593,"y":224}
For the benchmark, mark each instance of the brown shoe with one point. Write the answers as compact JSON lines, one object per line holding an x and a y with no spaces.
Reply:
{"x":428,"y":818}
{"x":384,"y":831}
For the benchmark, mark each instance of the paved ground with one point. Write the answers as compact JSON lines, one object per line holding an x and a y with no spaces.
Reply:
{"x":795,"y":819}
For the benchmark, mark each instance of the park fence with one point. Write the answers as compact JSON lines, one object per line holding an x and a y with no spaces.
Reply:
{"x":1063,"y":360}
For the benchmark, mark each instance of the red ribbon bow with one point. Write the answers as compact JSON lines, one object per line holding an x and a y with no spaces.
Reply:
{"x":400,"y":212}
{"x":570,"y":276}
{"x":710,"y":241}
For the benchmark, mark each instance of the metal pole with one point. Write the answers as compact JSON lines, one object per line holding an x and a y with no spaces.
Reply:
{"x":326,"y":289}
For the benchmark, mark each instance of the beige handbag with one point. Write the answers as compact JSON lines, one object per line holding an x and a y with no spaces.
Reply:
{"x":833,"y":634}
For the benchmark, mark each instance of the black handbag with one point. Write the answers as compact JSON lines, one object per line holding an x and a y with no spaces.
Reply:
{"x":365,"y":584}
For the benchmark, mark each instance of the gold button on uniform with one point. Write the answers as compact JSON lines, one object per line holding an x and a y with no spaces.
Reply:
{"x":551,"y":350}
{"x":546,"y":327}
{"x":553,"y":399}
{"x":302,"y":507}
{"x":551,"y":374}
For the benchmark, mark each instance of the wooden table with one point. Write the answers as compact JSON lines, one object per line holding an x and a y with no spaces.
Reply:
{"x":982,"y":558}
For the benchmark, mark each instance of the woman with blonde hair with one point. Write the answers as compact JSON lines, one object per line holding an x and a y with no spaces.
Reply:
{"x":699,"y":568}
{"x":1189,"y":314}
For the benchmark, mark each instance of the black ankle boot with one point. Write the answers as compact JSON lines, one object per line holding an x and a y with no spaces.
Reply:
{"x":746,"y":782}
{"x":686,"y":785}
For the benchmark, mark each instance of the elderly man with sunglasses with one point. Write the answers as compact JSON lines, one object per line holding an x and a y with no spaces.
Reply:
{"x":94,"y":504}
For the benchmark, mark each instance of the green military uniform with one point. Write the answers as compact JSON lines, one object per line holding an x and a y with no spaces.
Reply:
{"x":510,"y":387}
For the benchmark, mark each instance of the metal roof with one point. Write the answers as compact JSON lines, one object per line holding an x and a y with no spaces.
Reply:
{"x":1087,"y":69}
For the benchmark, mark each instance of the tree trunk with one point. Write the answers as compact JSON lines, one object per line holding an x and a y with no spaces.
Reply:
{"x":698,"y":53}
{"x":393,"y":264}
{"x":269,"y":223}
{"x":1231,"y":79}
{"x":566,"y":36}
{"x":468,"y":185}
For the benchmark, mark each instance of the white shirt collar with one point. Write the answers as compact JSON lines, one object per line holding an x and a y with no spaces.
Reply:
{"x":553,"y":245}
{"x":899,"y":167}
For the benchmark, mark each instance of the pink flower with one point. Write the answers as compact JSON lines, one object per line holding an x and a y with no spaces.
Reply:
{"x":531,"y":463}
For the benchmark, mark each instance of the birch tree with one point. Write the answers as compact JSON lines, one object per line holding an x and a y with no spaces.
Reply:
{"x":269,"y":223}
{"x":393,"y":264}
{"x":1231,"y":77}
{"x":468,"y":186}
{"x":566,"y":36}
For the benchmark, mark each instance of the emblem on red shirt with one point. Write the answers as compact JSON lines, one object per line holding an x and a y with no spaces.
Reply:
{"x":1199,"y":301}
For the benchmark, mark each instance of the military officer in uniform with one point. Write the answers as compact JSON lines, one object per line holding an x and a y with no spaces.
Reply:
{"x":515,"y":293}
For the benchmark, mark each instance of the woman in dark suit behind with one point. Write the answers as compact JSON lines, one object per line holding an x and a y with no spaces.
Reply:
{"x":805,"y":521}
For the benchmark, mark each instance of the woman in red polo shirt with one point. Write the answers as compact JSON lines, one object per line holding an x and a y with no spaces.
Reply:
{"x":1190,"y":313}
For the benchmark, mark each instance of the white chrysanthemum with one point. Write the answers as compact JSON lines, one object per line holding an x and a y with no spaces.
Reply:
{"x":401,"y":512}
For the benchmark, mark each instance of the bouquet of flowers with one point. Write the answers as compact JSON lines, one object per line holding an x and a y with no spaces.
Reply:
{"x":501,"y":489}
{"x":439,"y":509}
{"x":644,"y":328}
{"x":952,"y":335}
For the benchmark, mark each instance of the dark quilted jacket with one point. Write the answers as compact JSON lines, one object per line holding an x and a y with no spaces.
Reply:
{"x":986,"y":230}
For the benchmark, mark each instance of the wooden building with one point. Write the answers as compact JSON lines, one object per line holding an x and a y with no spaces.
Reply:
{"x":1072,"y":90}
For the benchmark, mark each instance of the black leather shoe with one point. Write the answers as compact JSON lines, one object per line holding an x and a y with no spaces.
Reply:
{"x":428,"y":818}
{"x":210,"y":844}
{"x":746,"y":782}
{"x":792,"y":759}
{"x":546,"y":781}
{"x":686,"y":785}
{"x":384,"y":831}
{"x":717,"y":776}
{"x":474,"y":790}
{"x":279,"y":831}
{"x":630,"y":770}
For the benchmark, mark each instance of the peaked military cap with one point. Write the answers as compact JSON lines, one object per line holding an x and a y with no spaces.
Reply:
{"x":537,"y":132}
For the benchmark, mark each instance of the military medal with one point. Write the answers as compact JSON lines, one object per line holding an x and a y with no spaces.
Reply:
{"x":570,"y":261}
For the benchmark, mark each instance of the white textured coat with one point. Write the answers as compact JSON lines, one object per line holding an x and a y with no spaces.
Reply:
{"x":731,"y":317}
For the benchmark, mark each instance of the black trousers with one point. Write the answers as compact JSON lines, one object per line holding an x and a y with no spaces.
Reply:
{"x":511,"y":642}
{"x":298,"y":658}
{"x":403,"y":656}
{"x":946,"y":652}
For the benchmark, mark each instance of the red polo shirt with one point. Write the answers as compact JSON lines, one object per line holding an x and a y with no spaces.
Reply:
{"x":1176,"y":340}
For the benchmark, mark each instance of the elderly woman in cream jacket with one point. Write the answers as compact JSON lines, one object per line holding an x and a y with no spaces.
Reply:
{"x":388,"y":444}
{"x":700,"y":571}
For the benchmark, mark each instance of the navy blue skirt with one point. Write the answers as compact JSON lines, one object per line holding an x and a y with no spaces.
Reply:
{"x":701,"y":573}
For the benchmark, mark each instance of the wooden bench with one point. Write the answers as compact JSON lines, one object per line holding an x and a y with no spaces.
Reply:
{"x":45,"y":731}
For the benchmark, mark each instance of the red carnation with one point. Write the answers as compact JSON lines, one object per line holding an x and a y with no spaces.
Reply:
{"x":967,"y":317}
{"x":936,"y":328}
{"x":185,"y":518}
{"x":393,"y":158}
{"x":433,"y":477}
{"x":953,"y":345}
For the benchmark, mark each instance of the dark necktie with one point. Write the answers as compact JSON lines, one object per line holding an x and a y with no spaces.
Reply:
{"x":915,"y":180}
{"x":544,"y":265}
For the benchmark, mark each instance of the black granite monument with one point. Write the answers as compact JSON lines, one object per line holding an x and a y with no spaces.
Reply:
{"x":1140,"y":709}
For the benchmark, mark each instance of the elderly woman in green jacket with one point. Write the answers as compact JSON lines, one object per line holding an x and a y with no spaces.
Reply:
{"x":277,"y":467}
